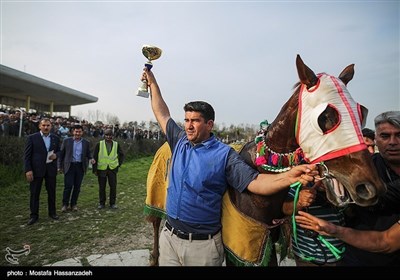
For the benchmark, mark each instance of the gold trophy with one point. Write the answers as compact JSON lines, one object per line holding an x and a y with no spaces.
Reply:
{"x":151,"y":53}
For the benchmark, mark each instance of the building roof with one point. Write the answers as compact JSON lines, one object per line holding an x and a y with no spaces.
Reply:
{"x":18,"y":88}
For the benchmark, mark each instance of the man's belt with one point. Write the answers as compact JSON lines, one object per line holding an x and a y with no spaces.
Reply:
{"x":188,"y":236}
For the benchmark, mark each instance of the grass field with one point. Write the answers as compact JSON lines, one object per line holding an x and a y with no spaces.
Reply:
{"x":82,"y":233}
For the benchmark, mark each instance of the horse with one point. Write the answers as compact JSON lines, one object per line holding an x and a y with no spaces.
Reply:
{"x":320,"y":123}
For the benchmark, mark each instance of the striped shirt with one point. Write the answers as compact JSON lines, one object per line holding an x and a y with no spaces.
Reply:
{"x":311,"y":246}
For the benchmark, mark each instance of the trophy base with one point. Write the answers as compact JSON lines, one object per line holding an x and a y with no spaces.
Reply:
{"x":142,"y":93}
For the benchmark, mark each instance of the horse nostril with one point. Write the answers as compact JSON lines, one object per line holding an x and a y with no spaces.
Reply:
{"x":365,"y":191}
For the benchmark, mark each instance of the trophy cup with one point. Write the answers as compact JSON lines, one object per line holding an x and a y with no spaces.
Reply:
{"x":151,"y":53}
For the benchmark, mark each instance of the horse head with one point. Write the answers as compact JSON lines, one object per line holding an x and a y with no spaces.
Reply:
{"x":321,"y":123}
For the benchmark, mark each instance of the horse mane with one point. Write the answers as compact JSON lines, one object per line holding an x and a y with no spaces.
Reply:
{"x":287,"y":113}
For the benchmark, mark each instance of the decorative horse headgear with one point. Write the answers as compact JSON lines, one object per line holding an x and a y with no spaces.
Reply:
{"x":344,"y":137}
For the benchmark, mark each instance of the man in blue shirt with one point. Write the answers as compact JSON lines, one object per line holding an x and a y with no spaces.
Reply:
{"x":202,"y":168}
{"x":73,"y":162}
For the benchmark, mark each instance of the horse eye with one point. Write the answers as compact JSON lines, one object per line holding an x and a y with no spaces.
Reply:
{"x":328,"y":119}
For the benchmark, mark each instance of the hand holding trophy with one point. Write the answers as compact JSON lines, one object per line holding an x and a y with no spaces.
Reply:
{"x":151,"y":53}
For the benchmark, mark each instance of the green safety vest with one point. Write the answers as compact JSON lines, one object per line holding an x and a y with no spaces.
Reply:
{"x":107,"y":160}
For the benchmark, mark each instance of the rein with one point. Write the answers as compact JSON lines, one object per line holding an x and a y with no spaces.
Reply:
{"x":281,"y":162}
{"x":319,"y":239}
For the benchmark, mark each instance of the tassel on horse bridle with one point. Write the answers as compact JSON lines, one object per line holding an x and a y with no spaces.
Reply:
{"x":270,"y":160}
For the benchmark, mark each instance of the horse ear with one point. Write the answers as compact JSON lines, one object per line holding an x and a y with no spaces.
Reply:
{"x":364,"y":113}
{"x":347,"y":74}
{"x":306,"y":75}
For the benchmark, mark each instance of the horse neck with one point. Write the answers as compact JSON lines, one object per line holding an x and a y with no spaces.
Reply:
{"x":281,"y":137}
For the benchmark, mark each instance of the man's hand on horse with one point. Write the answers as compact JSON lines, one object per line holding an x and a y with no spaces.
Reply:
{"x":307,"y":196}
{"x":304,"y":174}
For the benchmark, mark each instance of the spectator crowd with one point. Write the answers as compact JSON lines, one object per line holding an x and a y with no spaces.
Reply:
{"x":10,"y":125}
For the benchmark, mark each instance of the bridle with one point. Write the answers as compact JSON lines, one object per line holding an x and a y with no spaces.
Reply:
{"x":272,"y":161}
{"x":324,"y":174}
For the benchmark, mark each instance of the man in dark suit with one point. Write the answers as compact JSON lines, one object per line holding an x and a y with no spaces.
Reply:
{"x":41,"y":151}
{"x":73,"y":162}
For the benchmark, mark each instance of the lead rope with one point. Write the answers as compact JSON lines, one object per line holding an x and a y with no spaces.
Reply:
{"x":335,"y":251}
{"x":297,"y":185}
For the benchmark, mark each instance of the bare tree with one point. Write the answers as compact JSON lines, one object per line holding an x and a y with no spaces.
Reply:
{"x":112,"y":119}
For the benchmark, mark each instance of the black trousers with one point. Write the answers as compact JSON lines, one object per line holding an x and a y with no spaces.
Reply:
{"x":72,"y":184}
{"x":110,"y":176}
{"x":35,"y":189}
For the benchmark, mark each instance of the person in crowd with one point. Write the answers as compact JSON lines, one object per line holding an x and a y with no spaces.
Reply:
{"x":385,"y":242}
{"x":386,"y":212}
{"x":63,"y":130}
{"x":40,"y":154}
{"x":308,"y":249}
{"x":108,"y":157}
{"x":32,"y":125}
{"x":73,"y":161}
{"x":4,"y":124}
{"x":202,"y":168}
{"x":369,"y":139}
{"x":14,"y":124}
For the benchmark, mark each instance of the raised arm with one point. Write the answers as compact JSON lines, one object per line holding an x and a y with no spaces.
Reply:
{"x":160,"y":108}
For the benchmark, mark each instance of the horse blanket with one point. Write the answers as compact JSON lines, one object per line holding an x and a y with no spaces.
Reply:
{"x":157,"y":182}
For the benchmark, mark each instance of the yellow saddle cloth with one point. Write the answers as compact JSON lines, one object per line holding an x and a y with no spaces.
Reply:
{"x":157,"y":182}
{"x":246,"y":240}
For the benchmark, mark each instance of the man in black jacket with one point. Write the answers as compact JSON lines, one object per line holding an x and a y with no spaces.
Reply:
{"x":73,"y":162}
{"x":41,"y":152}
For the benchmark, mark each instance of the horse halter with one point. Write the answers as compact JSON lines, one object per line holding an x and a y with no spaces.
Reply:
{"x":325,"y":173}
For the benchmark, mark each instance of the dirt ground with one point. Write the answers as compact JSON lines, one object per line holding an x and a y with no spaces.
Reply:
{"x":141,"y":239}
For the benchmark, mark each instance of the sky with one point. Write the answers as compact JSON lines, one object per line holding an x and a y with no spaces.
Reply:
{"x":237,"y":55}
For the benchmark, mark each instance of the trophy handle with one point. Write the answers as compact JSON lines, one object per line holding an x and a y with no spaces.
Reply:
{"x":143,"y":89}
{"x":148,"y":65}
{"x":151,"y":53}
